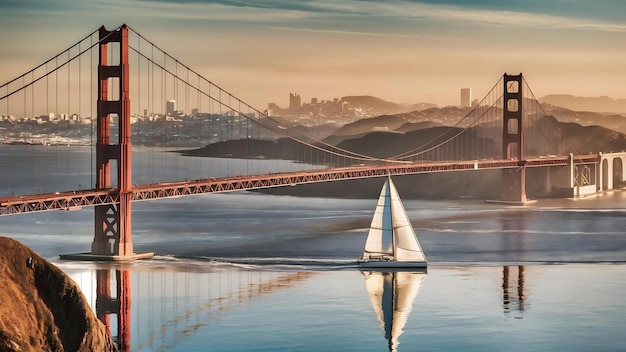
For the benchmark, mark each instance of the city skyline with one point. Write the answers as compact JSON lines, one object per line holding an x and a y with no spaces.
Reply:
{"x":400,"y":51}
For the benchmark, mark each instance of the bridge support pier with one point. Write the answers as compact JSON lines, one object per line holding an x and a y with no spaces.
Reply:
{"x":514,"y":185}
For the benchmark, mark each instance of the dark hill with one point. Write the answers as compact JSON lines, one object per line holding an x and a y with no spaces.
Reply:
{"x":41,"y":308}
{"x":412,"y":126}
{"x":390,"y":144}
{"x":586,"y":118}
{"x":592,"y":139}
{"x":436,"y":116}
{"x":383,"y":122}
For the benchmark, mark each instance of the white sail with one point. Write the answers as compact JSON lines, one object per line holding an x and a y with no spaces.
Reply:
{"x":380,"y":236}
{"x":392,"y":295}
{"x":391,"y":241}
{"x":406,"y":246}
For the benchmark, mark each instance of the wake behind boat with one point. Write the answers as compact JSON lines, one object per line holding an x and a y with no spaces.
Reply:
{"x":391,"y":241}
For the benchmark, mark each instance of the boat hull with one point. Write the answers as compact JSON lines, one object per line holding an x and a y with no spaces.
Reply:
{"x":378,"y":264}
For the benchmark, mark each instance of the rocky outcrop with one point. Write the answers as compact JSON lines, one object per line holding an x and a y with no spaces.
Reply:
{"x":41,"y":308}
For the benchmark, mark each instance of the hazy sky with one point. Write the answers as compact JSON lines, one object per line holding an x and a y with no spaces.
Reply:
{"x":402,"y":51}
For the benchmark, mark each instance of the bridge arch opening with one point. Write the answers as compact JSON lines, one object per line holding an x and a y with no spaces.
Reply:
{"x":605,"y":174}
{"x":618,"y":177}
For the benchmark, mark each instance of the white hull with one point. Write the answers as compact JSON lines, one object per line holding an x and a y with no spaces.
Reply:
{"x":391,"y":264}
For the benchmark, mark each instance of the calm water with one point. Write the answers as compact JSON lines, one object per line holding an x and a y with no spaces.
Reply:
{"x":252,"y":272}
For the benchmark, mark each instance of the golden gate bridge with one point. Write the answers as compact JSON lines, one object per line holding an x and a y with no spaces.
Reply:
{"x":127,"y":98}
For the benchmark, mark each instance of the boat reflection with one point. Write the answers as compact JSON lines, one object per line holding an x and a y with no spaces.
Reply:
{"x":392,"y":294}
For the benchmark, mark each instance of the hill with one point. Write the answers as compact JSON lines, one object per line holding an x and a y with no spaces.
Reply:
{"x":403,"y":122}
{"x":587,"y":118}
{"x":597,"y":104}
{"x":370,"y":105}
{"x":41,"y":308}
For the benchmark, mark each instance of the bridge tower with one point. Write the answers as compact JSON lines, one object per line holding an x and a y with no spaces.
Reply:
{"x":113,"y":221}
{"x":112,"y":232}
{"x":513,"y":180}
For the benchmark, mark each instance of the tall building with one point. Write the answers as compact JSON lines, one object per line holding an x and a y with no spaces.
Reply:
{"x":466,"y":97}
{"x":171,"y":107}
{"x":295,"y":101}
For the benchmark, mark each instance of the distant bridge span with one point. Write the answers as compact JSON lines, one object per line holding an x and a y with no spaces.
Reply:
{"x":77,"y":199}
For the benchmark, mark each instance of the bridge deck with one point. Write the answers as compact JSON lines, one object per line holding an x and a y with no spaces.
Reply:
{"x":77,"y":199}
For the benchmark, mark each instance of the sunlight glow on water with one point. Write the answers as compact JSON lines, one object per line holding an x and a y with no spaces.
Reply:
{"x":559,"y":307}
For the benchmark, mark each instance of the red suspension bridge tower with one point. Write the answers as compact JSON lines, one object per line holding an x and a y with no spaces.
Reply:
{"x":112,"y":232}
{"x":513,"y":180}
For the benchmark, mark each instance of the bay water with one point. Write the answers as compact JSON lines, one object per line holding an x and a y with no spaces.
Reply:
{"x":254,"y":272}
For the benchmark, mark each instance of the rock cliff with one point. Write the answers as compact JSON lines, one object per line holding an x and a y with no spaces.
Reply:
{"x":41,"y":308}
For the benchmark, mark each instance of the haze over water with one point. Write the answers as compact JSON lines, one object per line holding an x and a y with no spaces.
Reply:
{"x":254,"y":272}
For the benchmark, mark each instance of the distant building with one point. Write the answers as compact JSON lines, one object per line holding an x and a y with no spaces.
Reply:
{"x":272,"y":108}
{"x":295,"y":101}
{"x":171,"y":107}
{"x":466,"y":97}
{"x":313,"y":101}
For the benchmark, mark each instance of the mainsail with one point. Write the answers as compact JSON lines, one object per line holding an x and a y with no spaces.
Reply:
{"x":391,"y":233}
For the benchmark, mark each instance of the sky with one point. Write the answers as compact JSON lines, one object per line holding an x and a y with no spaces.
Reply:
{"x":402,"y":51}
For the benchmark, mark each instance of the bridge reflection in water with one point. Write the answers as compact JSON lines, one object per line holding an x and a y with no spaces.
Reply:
{"x":147,"y":308}
{"x":513,"y":290}
{"x":170,"y":305}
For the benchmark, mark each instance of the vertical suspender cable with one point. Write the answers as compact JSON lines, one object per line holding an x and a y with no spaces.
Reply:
{"x":68,"y":117}
{"x":139,"y":113}
{"x":8,"y":155}
{"x":56,"y":109}
{"x":28,"y":150}
{"x":79,"y":117}
{"x":49,"y":122}
{"x":93,"y":116}
{"x":151,"y":107}
{"x":163,"y":168}
{"x":32,"y":109}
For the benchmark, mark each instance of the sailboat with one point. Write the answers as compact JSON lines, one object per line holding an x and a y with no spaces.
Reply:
{"x":391,"y":241}
{"x":392,"y":295}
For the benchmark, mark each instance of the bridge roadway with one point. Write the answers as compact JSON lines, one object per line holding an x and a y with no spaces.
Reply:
{"x":73,"y":200}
